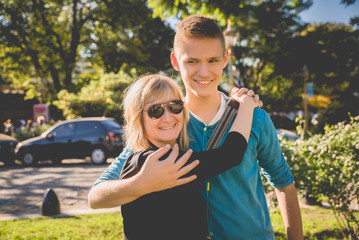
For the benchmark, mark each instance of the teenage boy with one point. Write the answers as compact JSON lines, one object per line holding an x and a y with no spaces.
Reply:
{"x":236,"y":202}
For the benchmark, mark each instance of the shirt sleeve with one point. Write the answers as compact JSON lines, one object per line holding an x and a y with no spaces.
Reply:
{"x":216,"y":161}
{"x":113,"y":171}
{"x":270,"y":156}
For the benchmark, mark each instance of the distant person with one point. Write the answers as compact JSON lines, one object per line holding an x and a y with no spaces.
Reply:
{"x":29,"y":124}
{"x":156,"y":121}
{"x":9,"y":128}
{"x":19,"y":124}
{"x":40,"y":120}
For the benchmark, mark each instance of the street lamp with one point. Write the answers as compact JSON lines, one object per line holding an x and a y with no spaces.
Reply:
{"x":305,"y":98}
{"x":230,"y":38}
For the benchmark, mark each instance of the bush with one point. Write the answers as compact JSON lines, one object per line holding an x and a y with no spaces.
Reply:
{"x":34,"y":131}
{"x":334,"y":113}
{"x":326,"y":167}
{"x":101,"y":97}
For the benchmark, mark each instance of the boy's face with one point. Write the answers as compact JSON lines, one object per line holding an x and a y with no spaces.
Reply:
{"x":201,"y":62}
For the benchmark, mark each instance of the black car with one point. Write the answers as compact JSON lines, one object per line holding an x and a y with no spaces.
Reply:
{"x":7,"y":147}
{"x":98,"y":138}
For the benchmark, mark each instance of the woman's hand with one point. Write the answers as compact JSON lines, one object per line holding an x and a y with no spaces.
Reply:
{"x":160,"y":175}
{"x":247,"y":97}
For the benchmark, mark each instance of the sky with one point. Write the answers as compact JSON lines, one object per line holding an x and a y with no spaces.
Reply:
{"x":330,"y":11}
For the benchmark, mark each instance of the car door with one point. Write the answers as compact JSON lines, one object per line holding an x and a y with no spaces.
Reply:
{"x":88,"y":134}
{"x":60,"y":141}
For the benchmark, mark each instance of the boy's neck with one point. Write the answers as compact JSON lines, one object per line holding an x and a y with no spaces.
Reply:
{"x":204,"y":107}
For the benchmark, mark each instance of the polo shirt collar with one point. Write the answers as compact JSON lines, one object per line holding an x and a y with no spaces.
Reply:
{"x":219,"y":114}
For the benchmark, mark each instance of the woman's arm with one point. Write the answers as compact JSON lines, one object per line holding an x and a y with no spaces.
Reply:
{"x":243,"y":121}
{"x":154,"y":176}
{"x":231,"y":152}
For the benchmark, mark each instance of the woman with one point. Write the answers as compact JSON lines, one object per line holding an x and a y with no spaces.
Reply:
{"x":155,"y":117}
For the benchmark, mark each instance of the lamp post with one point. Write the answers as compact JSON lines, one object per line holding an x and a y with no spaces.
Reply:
{"x":230,"y":38}
{"x":305,"y":98}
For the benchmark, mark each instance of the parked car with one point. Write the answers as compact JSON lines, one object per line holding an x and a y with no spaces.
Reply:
{"x":283,"y":121}
{"x":98,"y":138}
{"x":289,"y":135}
{"x":7,"y":147}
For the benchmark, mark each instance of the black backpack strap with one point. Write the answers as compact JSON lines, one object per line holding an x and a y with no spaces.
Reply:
{"x":223,"y":124}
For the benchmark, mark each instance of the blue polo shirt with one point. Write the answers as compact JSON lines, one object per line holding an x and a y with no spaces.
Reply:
{"x":236,"y":199}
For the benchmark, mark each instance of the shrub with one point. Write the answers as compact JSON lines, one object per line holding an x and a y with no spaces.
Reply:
{"x":101,"y":97}
{"x":326,"y":167}
{"x":334,"y":113}
{"x":34,"y":131}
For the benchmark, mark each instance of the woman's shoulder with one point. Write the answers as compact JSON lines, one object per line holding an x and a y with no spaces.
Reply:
{"x":134,"y":163}
{"x":140,"y":156}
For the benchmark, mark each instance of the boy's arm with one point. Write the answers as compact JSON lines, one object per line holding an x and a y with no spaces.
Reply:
{"x":276,"y":170}
{"x":289,"y":207}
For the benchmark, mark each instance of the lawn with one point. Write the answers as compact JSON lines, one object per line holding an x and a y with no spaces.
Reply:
{"x":318,"y":223}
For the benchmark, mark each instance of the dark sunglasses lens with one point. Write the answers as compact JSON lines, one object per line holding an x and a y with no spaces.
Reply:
{"x":155,"y":111}
{"x":175,"y":107}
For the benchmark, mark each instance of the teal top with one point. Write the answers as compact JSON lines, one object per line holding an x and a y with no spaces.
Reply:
{"x":236,"y":199}
{"x":237,"y":204}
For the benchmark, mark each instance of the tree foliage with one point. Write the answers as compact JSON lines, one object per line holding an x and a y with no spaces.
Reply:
{"x":329,"y":52}
{"x":42,"y":41}
{"x":102,"y":96}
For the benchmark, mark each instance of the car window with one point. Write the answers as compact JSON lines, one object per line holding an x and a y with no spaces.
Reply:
{"x":64,"y":130}
{"x":87,"y":128}
{"x":109,"y":124}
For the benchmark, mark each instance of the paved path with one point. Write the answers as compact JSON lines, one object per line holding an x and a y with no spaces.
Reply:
{"x":22,"y":188}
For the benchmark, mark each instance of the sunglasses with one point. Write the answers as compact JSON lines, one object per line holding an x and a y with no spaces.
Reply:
{"x":157,"y":110}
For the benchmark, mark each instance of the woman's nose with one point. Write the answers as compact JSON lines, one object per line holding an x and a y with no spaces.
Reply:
{"x":167,"y":115}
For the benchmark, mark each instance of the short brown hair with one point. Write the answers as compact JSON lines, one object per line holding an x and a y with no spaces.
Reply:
{"x":198,"y":26}
{"x":147,"y":89}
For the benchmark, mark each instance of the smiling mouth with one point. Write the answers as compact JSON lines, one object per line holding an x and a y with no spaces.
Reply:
{"x":167,"y":128}
{"x":204,"y":82}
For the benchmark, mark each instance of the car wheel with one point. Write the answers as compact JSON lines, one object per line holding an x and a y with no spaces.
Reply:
{"x":98,"y":156}
{"x":28,"y":159}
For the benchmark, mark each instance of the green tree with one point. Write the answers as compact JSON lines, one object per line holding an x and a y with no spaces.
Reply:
{"x":43,"y":40}
{"x":46,"y":35}
{"x":330,"y":53}
{"x":128,"y":37}
{"x":102,"y":96}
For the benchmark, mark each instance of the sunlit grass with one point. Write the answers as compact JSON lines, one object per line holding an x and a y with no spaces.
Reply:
{"x":318,"y":223}
{"x":94,"y":226}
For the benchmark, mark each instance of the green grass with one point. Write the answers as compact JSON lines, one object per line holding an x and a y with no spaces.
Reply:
{"x":94,"y":226}
{"x":318,"y":223}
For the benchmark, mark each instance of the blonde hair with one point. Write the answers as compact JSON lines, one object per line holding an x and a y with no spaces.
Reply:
{"x":147,"y":89}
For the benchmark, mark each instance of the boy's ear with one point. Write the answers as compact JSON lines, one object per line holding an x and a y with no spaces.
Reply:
{"x":226,"y":58}
{"x":174,"y":61}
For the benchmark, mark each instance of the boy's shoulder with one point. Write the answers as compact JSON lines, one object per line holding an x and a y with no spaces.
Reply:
{"x":261,"y":123}
{"x":260,"y":116}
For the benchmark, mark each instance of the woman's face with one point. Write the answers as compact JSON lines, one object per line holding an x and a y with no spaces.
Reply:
{"x":166,"y":129}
